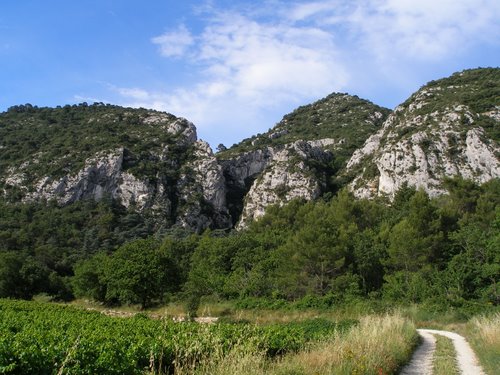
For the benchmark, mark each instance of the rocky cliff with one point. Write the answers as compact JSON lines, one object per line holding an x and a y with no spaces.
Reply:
{"x":148,"y":161}
{"x":448,"y":128}
{"x":153,"y":163}
{"x":287,"y":175}
{"x":299,"y":157}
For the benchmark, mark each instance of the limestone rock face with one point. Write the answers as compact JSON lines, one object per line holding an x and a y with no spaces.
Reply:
{"x":103,"y":175}
{"x":202,"y":192}
{"x":247,"y":165}
{"x":287,"y":175}
{"x":153,"y":163}
{"x":435,"y":134}
{"x":295,"y":158}
{"x":177,"y":181}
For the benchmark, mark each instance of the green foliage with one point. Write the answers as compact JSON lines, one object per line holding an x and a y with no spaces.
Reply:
{"x":57,"y":141}
{"x":315,"y":254}
{"x":318,"y":254}
{"x":478,"y":89}
{"x":338,"y":116}
{"x":90,"y":277}
{"x":138,"y":272}
{"x":41,"y":338}
{"x":54,"y":239}
{"x":22,"y":276}
{"x":321,"y":254}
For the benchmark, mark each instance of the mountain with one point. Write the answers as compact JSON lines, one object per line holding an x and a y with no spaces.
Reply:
{"x":299,"y":157}
{"x":450,"y":127}
{"x":152,"y":163}
{"x":146,"y":160}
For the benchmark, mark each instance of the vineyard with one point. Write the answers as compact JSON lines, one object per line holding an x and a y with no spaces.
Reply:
{"x":42,"y":338}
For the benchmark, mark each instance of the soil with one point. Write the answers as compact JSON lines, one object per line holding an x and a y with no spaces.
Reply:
{"x":421,"y":362}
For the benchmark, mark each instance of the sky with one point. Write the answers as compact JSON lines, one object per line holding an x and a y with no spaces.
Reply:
{"x":234,"y":68}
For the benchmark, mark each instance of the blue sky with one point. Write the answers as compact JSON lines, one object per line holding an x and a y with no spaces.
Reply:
{"x":235,"y":68}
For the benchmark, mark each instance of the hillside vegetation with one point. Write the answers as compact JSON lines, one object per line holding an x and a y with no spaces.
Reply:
{"x":477,"y":89}
{"x":164,"y":201}
{"x":57,"y":141}
{"x":312,"y":254}
{"x":346,"y":119}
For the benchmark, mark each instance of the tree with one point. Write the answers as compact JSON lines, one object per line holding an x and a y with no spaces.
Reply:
{"x":21,"y":276}
{"x":317,"y":253}
{"x":221,"y":147}
{"x":369,"y":253}
{"x":10,"y":264}
{"x":210,"y":265}
{"x":475,"y":271}
{"x":137,"y":273}
{"x":90,"y":277}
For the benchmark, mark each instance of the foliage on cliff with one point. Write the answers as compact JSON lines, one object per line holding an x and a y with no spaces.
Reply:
{"x":346,"y":119}
{"x":54,"y":142}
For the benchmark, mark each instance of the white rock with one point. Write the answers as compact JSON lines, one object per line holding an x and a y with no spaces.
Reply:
{"x":422,"y":150}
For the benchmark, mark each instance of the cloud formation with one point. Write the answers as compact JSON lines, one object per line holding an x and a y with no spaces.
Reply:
{"x":424,"y":29}
{"x":246,"y":63}
{"x":174,"y":43}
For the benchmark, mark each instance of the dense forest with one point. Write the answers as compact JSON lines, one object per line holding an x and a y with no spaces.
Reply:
{"x":442,"y":250}
{"x":72,"y":224}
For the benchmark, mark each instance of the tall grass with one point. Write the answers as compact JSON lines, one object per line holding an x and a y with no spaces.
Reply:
{"x":484,"y":335}
{"x":378,"y":345}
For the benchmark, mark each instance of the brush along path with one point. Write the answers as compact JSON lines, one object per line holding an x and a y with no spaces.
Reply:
{"x":421,"y":362}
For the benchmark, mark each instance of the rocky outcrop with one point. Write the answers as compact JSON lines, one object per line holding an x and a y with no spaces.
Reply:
{"x":102,"y":176}
{"x":287,"y":175}
{"x":242,"y":169}
{"x":202,"y":192}
{"x":421,"y":143}
{"x":178,"y":183}
{"x":293,"y":159}
{"x":153,"y":163}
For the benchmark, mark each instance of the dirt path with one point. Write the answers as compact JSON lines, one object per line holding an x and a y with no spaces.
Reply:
{"x":421,"y":362}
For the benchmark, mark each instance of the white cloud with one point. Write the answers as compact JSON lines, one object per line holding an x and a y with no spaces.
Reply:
{"x":247,"y":67}
{"x":267,"y":63}
{"x":245,"y":63}
{"x":174,"y":43}
{"x":426,"y":30}
{"x":304,"y":11}
{"x":134,"y":93}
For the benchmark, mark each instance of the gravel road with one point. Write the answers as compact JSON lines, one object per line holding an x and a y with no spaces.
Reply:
{"x":421,"y":362}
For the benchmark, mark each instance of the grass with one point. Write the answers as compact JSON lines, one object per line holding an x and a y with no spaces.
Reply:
{"x":342,"y":354}
{"x":483,"y":334}
{"x":378,"y":345}
{"x":445,"y":361}
{"x":229,"y":312}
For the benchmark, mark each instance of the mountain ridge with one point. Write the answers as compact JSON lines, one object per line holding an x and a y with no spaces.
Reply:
{"x":153,"y":162}
{"x":449,"y":127}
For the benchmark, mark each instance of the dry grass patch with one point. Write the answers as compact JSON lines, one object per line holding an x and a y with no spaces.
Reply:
{"x":488,"y":329}
{"x":239,"y":361}
{"x":484,"y":335}
{"x":378,"y":345}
